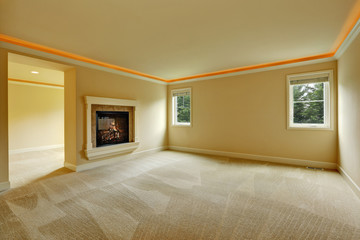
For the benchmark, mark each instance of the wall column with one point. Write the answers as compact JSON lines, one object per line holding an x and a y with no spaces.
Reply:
{"x":70,"y":119}
{"x":4,"y":139}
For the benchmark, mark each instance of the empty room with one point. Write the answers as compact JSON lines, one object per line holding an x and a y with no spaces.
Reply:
{"x":180,"y":119}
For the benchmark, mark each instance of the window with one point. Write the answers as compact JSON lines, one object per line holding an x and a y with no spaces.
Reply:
{"x":309,"y":100}
{"x":181,"y":102}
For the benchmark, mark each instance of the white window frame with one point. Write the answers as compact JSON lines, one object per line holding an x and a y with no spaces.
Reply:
{"x":174,"y":107}
{"x":328,"y":98}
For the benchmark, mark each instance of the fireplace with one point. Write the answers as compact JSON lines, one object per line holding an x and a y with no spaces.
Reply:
{"x":111,"y":128}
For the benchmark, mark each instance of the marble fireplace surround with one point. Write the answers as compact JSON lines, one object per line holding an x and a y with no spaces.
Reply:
{"x":94,"y":104}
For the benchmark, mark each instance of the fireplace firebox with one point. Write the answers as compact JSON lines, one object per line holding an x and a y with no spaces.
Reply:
{"x":112,"y":127}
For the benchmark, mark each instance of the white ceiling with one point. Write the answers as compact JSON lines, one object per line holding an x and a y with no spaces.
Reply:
{"x":172,"y":39}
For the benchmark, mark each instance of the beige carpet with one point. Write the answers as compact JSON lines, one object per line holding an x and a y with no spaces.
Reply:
{"x":172,"y":195}
{"x":28,"y":167}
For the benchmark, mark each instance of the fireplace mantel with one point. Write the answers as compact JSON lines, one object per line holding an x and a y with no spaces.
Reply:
{"x":92,"y":152}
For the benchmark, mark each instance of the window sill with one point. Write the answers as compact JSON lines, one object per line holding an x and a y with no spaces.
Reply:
{"x":181,"y":125}
{"x":310,"y":128}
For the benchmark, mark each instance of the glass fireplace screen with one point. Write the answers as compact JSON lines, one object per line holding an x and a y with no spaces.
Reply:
{"x":111,"y":128}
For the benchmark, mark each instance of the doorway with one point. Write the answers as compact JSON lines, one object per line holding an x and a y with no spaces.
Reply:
{"x":36,"y":119}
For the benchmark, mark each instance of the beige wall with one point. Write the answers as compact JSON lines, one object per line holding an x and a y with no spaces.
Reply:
{"x":349,"y":110}
{"x":251,"y":114}
{"x":36,"y":116}
{"x":4,"y":167}
{"x":151,"y":110}
{"x":247,"y":114}
{"x":82,"y":81}
{"x":70,"y":116}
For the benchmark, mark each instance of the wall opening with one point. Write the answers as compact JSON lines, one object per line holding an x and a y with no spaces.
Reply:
{"x":36,"y":118}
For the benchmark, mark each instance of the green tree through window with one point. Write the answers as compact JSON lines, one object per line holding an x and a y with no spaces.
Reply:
{"x":183,"y":109}
{"x":309,"y":103}
{"x":181,"y":105}
{"x":309,"y":100}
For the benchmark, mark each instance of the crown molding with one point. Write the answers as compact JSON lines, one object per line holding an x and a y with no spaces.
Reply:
{"x":348,"y":40}
{"x":63,"y":57}
{"x":20,"y":46}
{"x":28,"y":82}
{"x":221,"y":74}
{"x":257,"y":66}
{"x":264,"y":69}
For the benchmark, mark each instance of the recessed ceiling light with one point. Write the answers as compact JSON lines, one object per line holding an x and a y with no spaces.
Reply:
{"x":35,"y":72}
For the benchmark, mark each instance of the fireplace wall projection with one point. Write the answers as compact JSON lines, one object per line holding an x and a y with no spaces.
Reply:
{"x":111,"y":128}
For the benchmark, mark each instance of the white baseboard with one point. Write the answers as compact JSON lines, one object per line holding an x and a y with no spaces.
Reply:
{"x":34,"y":149}
{"x":282,"y":160}
{"x":91,"y":165}
{"x":149,"y":151}
{"x":350,"y":181}
{"x":70,"y":166}
{"x":4,"y":186}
